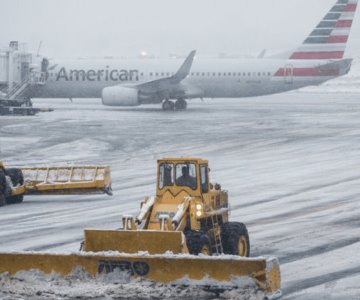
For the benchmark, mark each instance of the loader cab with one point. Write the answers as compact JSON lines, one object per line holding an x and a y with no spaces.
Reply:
{"x":189,"y":175}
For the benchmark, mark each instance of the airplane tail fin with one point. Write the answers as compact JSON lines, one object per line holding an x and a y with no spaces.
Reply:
{"x":328,"y":40}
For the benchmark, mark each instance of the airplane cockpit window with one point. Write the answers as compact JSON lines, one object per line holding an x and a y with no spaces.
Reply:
{"x":186,"y":175}
{"x":166,"y":177}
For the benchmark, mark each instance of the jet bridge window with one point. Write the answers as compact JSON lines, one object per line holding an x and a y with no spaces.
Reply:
{"x":186,"y":175}
{"x":166,"y":177}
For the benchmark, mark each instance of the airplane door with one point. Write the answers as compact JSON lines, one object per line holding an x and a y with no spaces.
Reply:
{"x":289,"y":73}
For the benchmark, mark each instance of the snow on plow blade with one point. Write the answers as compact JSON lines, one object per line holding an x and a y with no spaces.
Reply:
{"x":133,"y":241}
{"x":218,"y":272}
{"x":67,"y":180}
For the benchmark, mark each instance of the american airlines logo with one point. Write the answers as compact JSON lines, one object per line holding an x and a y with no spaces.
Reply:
{"x":97,"y":75}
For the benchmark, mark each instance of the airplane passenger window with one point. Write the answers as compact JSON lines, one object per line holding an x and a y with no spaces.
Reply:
{"x":259,"y":74}
{"x":214,"y":74}
{"x":150,"y":74}
{"x":249,"y":74}
{"x":156,"y":74}
{"x":162,"y":74}
{"x":224,"y":74}
{"x":229,"y":73}
{"x":269,"y":74}
{"x":234,"y":74}
{"x":197,"y":74}
{"x":219,"y":74}
{"x":203,"y":74}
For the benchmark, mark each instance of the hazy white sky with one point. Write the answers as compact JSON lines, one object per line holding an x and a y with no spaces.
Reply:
{"x":97,"y":28}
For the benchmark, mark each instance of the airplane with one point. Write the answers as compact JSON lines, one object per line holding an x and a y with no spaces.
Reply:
{"x":143,"y":81}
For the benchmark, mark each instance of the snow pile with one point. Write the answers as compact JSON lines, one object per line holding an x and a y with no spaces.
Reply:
{"x":117,"y":285}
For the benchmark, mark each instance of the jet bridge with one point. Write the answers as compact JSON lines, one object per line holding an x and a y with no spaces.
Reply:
{"x":20,"y":73}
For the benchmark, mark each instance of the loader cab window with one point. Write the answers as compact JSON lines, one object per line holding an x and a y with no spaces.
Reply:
{"x":166,"y":177}
{"x":204,"y":179}
{"x":186,"y":175}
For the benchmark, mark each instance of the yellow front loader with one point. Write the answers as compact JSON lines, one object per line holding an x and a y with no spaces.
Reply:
{"x":17,"y":182}
{"x":181,"y":236}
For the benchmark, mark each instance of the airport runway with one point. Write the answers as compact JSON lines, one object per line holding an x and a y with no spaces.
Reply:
{"x":290,"y":163}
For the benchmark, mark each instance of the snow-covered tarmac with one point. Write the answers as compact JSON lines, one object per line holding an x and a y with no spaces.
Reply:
{"x":290,"y":163}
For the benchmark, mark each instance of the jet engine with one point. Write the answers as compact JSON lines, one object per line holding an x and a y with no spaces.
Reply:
{"x":120,"y":96}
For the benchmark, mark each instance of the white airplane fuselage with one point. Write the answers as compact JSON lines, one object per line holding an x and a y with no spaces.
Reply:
{"x":217,"y":78}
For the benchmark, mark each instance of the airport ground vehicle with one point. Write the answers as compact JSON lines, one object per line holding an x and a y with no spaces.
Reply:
{"x":17,"y":182}
{"x":19,"y":107}
{"x":180,"y":237}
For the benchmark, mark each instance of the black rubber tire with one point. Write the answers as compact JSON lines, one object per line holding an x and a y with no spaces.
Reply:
{"x":168,"y":105}
{"x":2,"y":188}
{"x":180,"y":104}
{"x":17,"y":178}
{"x":231,"y":233}
{"x":196,"y":240}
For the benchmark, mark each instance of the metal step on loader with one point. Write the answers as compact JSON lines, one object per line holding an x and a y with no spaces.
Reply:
{"x":181,"y":236}
{"x":17,"y":182}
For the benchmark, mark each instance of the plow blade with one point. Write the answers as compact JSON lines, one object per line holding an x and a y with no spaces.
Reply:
{"x":66,"y":180}
{"x":133,"y":241}
{"x":219,"y":272}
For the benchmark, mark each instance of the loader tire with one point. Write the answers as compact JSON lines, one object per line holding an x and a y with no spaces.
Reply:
{"x":235,"y":239}
{"x":198,"y":242}
{"x":2,"y":188}
{"x":17,"y":178}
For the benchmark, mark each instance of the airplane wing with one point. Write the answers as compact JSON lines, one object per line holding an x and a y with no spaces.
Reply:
{"x":162,"y":83}
{"x":172,"y":86}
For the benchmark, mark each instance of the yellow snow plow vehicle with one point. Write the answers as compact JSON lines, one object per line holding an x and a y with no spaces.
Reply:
{"x":181,"y":236}
{"x":17,"y":182}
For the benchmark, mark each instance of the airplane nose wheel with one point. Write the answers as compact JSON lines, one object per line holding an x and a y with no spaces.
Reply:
{"x":168,"y":105}
{"x":180,"y":104}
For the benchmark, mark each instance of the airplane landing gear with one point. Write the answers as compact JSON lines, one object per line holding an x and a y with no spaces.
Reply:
{"x":180,"y":104}
{"x":168,"y":105}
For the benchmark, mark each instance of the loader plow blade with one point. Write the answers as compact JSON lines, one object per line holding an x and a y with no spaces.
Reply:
{"x":133,"y":241}
{"x":216,"y":272}
{"x":67,"y":180}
